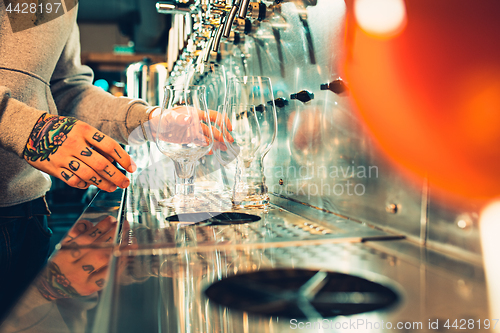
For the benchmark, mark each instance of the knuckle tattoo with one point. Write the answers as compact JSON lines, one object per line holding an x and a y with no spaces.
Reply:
{"x":88,"y":268}
{"x":98,"y":137}
{"x":96,"y":181}
{"x":109,"y":173}
{"x":66,"y":176}
{"x":74,"y":165}
{"x":86,"y":152}
{"x":95,"y":232}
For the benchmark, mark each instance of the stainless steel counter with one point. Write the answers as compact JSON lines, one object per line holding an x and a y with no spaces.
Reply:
{"x":159,"y":272}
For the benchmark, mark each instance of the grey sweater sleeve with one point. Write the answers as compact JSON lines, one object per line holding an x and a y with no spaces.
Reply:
{"x":75,"y":96}
{"x":16,"y":122}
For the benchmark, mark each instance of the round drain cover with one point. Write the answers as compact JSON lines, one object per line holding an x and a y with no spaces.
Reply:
{"x":300,"y":293}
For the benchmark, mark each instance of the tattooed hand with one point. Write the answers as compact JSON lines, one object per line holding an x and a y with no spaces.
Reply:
{"x":77,"y":270}
{"x":77,"y":153}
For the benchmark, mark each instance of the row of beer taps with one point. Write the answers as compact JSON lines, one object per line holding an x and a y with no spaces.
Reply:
{"x":205,"y":23}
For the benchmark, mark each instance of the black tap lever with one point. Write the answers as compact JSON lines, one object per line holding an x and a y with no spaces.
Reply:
{"x":279,"y":102}
{"x":337,"y":86}
{"x":304,"y":96}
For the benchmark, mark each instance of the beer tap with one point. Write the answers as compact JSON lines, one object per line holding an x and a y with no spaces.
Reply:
{"x":242,"y":12}
{"x":208,"y":46}
{"x":230,"y":19}
{"x":218,"y":34}
{"x":167,"y":7}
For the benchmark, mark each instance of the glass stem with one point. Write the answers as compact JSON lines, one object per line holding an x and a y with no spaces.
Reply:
{"x":184,"y":178}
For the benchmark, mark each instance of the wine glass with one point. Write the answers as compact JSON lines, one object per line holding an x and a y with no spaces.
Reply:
{"x":246,"y":141}
{"x":213,"y":77}
{"x":185,"y":135}
{"x":257,"y":92}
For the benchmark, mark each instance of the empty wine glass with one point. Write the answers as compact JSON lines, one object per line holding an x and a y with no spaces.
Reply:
{"x":255,"y":91}
{"x":185,"y":135}
{"x":246,"y":138}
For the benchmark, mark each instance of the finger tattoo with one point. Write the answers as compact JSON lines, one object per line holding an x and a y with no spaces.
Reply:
{"x":88,"y":268}
{"x":100,"y":283}
{"x":95,"y":180}
{"x":98,"y":137}
{"x":75,"y":253}
{"x":109,"y":173}
{"x":107,"y":240}
{"x":95,"y":233}
{"x":86,"y":152}
{"x":66,"y":176}
{"x":82,"y":227}
{"x":84,"y":184}
{"x":74,"y":165}
{"x":117,"y":154}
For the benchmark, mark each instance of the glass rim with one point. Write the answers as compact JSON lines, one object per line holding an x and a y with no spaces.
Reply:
{"x":183,"y":87}
{"x":243,"y":77}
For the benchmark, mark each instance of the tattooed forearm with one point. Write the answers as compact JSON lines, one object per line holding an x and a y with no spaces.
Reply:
{"x":108,"y":172}
{"x":86,"y":152}
{"x":53,"y":284}
{"x":98,"y":137}
{"x":49,"y":133}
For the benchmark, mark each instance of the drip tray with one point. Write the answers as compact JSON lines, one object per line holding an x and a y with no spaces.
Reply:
{"x":213,"y":218}
{"x":299,"y":293}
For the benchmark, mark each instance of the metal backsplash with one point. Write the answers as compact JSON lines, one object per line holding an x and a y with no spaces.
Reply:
{"x":323,"y":156}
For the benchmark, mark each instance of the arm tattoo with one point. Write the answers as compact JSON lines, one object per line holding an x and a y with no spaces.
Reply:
{"x":47,"y":136}
{"x":108,"y":172}
{"x":98,"y":137}
{"x":86,"y":152}
{"x":66,"y":176}
{"x":74,"y":165}
{"x":53,"y":284}
{"x":88,"y":268}
{"x":95,"y":180}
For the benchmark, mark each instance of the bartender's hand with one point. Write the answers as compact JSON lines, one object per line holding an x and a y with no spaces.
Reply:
{"x":179,"y":127}
{"x":77,"y":153}
{"x":75,"y":271}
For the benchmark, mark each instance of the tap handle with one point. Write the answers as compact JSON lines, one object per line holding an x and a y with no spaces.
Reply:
{"x":164,"y":7}
{"x":337,"y":86}
{"x":208,"y":47}
{"x":242,"y":13}
{"x":229,"y":21}
{"x":279,"y":102}
{"x":304,"y":96}
{"x":218,"y":35}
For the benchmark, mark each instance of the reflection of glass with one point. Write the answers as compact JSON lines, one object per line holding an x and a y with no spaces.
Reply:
{"x":184,"y":135}
{"x":254,"y":91}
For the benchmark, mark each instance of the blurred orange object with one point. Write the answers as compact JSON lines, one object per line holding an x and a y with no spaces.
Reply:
{"x":430,"y":92}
